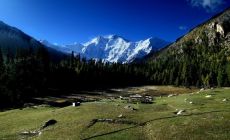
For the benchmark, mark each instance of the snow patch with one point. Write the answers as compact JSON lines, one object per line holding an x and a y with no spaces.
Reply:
{"x":111,"y":48}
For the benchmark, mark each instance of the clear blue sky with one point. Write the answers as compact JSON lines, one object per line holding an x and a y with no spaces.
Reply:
{"x":68,"y":21}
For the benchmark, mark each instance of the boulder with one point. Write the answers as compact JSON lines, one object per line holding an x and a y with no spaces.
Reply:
{"x":208,"y":96}
{"x":120,"y":116}
{"x":49,"y":123}
{"x":135,"y":96}
{"x":31,"y":133}
{"x":171,"y":95}
{"x":220,"y":30}
{"x":180,"y":112}
{"x":129,"y":107}
{"x":202,"y":89}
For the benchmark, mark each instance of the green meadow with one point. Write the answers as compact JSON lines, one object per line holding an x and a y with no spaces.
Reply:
{"x":206,"y":115}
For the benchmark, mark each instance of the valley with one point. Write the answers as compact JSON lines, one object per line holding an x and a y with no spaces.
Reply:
{"x":203,"y":117}
{"x":165,"y":87}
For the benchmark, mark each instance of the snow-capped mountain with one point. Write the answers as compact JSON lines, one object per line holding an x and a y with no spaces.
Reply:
{"x":112,"y":48}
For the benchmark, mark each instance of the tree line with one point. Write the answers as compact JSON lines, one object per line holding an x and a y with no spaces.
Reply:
{"x":31,"y":73}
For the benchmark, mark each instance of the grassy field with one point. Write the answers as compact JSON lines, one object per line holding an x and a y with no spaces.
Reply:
{"x":204,"y":118}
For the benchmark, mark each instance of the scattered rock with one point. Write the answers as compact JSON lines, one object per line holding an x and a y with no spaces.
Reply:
{"x":28,"y":105}
{"x":147,"y":100}
{"x":115,"y":121}
{"x":105,"y":120}
{"x":135,"y":96}
{"x":120,"y":116}
{"x":129,"y":107}
{"x":198,"y":40}
{"x":202,"y":89}
{"x":171,"y":95}
{"x":180,"y":112}
{"x":31,"y":133}
{"x":208,"y":96}
{"x":49,"y":123}
{"x":220,"y":30}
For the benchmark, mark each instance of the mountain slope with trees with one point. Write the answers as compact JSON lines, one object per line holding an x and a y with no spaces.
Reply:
{"x":199,"y":58}
{"x":24,"y":65}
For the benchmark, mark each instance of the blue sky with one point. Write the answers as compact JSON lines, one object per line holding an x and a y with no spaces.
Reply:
{"x":69,"y":21}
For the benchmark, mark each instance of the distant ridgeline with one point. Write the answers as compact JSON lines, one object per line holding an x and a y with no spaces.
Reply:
{"x":29,"y":69}
{"x":112,"y":48}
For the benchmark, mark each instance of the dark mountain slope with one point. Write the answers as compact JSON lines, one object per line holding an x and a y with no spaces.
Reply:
{"x":13,"y":40}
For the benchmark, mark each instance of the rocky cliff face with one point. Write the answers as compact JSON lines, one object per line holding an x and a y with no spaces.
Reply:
{"x":218,"y":30}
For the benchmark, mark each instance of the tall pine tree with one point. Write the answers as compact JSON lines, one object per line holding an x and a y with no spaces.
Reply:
{"x":2,"y":67}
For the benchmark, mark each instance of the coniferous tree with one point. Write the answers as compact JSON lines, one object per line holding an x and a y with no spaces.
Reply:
{"x":228,"y":72}
{"x":2,"y":67}
{"x":220,"y":78}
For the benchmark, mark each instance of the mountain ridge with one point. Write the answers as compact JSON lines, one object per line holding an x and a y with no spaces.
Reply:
{"x":13,"y":39}
{"x":112,"y":48}
{"x":210,"y":26}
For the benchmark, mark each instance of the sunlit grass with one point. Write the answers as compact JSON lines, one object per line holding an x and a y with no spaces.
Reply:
{"x":205,"y":118}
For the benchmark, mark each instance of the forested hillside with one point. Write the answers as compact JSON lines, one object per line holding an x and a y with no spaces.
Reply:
{"x":199,"y":58}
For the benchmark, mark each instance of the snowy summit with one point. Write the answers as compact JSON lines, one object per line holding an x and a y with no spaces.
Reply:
{"x":112,"y":48}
